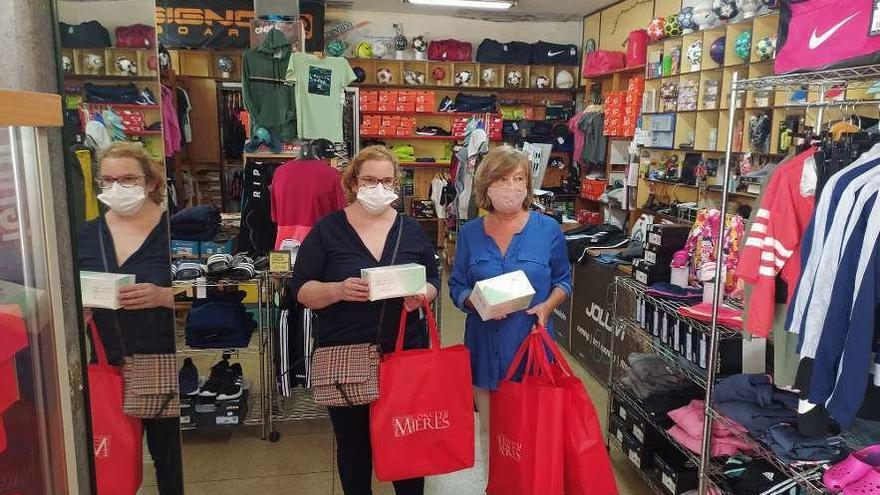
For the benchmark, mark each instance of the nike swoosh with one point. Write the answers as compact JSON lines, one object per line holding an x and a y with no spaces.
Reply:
{"x":553,"y":54}
{"x":817,"y":41}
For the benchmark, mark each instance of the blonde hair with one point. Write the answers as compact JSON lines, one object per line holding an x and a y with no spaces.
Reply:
{"x":353,"y":170}
{"x":498,"y":164}
{"x":154,"y":176}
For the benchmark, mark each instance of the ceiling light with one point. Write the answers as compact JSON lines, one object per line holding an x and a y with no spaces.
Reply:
{"x":468,"y":4}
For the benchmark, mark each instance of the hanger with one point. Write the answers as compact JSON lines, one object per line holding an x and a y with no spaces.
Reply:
{"x":272,"y":80}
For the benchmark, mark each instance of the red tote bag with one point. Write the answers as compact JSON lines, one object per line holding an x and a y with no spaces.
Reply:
{"x":526,"y":427}
{"x":587,"y":465}
{"x":118,"y":444}
{"x":422,"y":424}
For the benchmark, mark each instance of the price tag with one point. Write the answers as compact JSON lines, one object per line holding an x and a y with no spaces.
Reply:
{"x":642,"y":277}
{"x":201,"y":288}
{"x":184,"y":420}
{"x":639,"y":434}
{"x":655,"y":239}
{"x":650,"y":256}
{"x":634,"y":458}
{"x":668,"y":482}
{"x":279,"y":261}
{"x":227,"y":420}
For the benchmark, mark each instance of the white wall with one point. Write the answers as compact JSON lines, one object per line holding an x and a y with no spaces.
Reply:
{"x":111,"y":13}
{"x":372,"y":26}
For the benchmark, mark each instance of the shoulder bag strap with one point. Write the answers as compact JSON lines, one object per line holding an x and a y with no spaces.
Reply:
{"x":101,"y":224}
{"x":393,"y":260}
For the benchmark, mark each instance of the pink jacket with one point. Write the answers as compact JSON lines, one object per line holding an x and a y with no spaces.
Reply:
{"x":728,"y":438}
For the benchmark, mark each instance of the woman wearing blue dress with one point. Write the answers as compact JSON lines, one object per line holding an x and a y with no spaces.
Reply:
{"x":507,"y":239}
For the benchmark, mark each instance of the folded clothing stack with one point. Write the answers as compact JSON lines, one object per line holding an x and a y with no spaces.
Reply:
{"x":219,"y":322}
{"x":665,"y":290}
{"x":747,"y":476}
{"x":199,"y":223}
{"x":649,"y":374}
{"x":728,"y":438}
{"x":602,"y":236}
{"x":230,"y":226}
{"x":727,"y":316}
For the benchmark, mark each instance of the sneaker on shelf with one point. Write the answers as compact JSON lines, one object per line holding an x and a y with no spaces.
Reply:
{"x":147,"y":97}
{"x":215,"y":379}
{"x":188,"y":376}
{"x":233,"y":383}
{"x":447,"y":104}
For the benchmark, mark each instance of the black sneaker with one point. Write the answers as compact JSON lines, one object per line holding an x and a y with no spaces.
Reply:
{"x":188,"y":376}
{"x":147,"y":97}
{"x":212,"y":386}
{"x":233,"y":383}
{"x":446,"y":105}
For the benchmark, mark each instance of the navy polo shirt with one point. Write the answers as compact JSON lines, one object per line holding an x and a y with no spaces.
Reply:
{"x":124,"y":332}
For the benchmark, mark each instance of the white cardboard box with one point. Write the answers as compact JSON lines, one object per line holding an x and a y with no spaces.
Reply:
{"x":499,"y":296}
{"x":101,"y":290}
{"x":389,"y":282}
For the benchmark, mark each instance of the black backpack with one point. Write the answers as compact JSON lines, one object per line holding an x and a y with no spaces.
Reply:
{"x":554,"y":54}
{"x":89,"y":34}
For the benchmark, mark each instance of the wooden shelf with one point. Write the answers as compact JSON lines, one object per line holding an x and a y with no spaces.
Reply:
{"x":143,"y":133}
{"x":425,"y":164}
{"x":429,"y":114}
{"x":124,"y":106}
{"x":99,"y":77}
{"x":625,"y":70}
{"x":416,"y":136}
{"x":467,"y":88}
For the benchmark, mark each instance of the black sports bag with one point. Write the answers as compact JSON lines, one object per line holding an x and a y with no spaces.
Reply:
{"x":554,"y":54}
{"x":89,"y":34}
{"x":475,"y":103}
{"x":122,"y":93}
{"x":490,"y":52}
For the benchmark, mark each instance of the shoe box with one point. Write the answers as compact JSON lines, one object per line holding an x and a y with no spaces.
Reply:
{"x":187,"y":411}
{"x":187,"y":250}
{"x":676,"y":474}
{"x":667,"y":238}
{"x":209,"y":412}
{"x":650,"y":273}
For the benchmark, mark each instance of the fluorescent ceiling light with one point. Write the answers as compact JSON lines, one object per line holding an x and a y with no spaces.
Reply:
{"x":468,"y":4}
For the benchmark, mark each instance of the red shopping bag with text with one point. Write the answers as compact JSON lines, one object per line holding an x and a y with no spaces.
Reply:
{"x":118,"y":445}
{"x":587,"y":465}
{"x":526,"y":427}
{"x":422,"y":424}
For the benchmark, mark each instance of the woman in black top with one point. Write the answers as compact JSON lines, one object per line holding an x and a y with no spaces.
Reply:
{"x":132,"y":238}
{"x":327,"y":279}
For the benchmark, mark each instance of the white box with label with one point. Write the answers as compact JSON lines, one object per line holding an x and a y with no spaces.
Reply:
{"x":389,"y":282}
{"x":499,"y":296}
{"x":101,"y":290}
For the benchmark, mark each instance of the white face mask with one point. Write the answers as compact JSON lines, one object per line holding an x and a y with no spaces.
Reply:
{"x":124,"y":201}
{"x":376,"y":199}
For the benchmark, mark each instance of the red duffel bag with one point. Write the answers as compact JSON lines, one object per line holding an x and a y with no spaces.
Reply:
{"x":136,"y":36}
{"x":449,"y":50}
{"x":422,"y":424}
{"x":603,"y":61}
{"x":118,"y":444}
{"x":526,"y":427}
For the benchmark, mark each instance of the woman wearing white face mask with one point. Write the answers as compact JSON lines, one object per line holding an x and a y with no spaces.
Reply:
{"x":327,"y":279}
{"x":132,"y":238}
{"x":508,"y":239}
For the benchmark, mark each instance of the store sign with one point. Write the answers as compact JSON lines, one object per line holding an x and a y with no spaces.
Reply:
{"x":593,"y":325}
{"x":225,"y":24}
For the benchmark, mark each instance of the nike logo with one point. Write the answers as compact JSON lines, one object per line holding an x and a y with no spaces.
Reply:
{"x":553,"y":54}
{"x":817,"y":41}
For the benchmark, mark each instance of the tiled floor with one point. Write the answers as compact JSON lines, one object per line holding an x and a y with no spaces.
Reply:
{"x":303,"y":461}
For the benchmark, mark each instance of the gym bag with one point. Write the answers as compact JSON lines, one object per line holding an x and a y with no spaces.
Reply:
{"x":91,"y":34}
{"x":118,"y":444}
{"x":422,"y":424}
{"x":603,"y":61}
{"x":475,"y":103}
{"x":552,"y":53}
{"x":136,"y":36}
{"x":449,"y":50}
{"x":494,"y":52}
{"x":827,"y":34}
{"x":123,"y":93}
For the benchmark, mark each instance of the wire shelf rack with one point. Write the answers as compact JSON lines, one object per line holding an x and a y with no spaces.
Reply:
{"x":850,"y":77}
{"x":684,"y":367}
{"x":299,"y":407}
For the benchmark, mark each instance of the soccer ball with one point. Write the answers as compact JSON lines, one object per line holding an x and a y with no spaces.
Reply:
{"x":336,"y":48}
{"x":364,"y":50}
{"x":686,"y":20}
{"x":419,"y":44}
{"x":94,"y":62}
{"x":743,"y":46}
{"x":384,"y":76}
{"x":656,"y":30}
{"x":66,"y":63}
{"x":542,"y":82}
{"x":400,"y":42}
{"x":671,"y":26}
{"x":704,"y":16}
{"x":725,"y":9}
{"x":463,"y":78}
{"x":564,"y":79}
{"x":716,"y":51}
{"x":379,"y":49}
{"x":126,"y":66}
{"x":695,"y":53}
{"x":766,"y":47}
{"x":439,"y":73}
{"x":514,"y":78}
{"x":226,"y":65}
{"x":414,"y":78}
{"x":489,"y":75}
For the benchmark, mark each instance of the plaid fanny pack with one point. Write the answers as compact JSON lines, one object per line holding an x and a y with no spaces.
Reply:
{"x":150,"y":386}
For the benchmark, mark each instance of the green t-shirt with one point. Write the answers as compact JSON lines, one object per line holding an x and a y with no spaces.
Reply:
{"x":320,"y":88}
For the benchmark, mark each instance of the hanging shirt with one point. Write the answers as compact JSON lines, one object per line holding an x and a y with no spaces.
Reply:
{"x":84,"y":157}
{"x":320,"y":84}
{"x":772,"y":247}
{"x":270,"y":104}
{"x":170,"y":125}
{"x":303,"y":191}
{"x":469,"y":157}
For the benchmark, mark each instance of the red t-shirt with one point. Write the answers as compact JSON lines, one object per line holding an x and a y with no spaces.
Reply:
{"x":303,"y":191}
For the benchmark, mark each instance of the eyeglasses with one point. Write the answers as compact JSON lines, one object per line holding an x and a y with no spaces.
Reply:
{"x":106,"y":182}
{"x":371,"y":182}
{"x":509,"y":181}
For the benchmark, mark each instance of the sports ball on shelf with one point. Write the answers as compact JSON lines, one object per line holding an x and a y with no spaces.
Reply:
{"x":153,"y":62}
{"x":704,"y":16}
{"x":66,"y":63}
{"x":126,"y":66}
{"x":164,"y":59}
{"x":743,"y":46}
{"x":749,"y":8}
{"x":716,"y":51}
{"x":766,"y":47}
{"x":686,"y":20}
{"x":695,"y":53}
{"x":335,"y":48}
{"x":671,"y":26}
{"x":384,"y":76}
{"x":725,"y":9}
{"x":489,"y":75}
{"x":542,"y":82}
{"x":364,"y":50}
{"x":655,"y":29}
{"x":439,"y":74}
{"x":414,"y":78}
{"x":419,"y":44}
{"x":463,"y":78}
{"x":379,"y":49}
{"x":564,"y":79}
{"x":770,"y":4}
{"x":226,"y":65}
{"x":360,"y":74}
{"x":94,"y":62}
{"x":400,"y":42}
{"x":514,"y":78}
